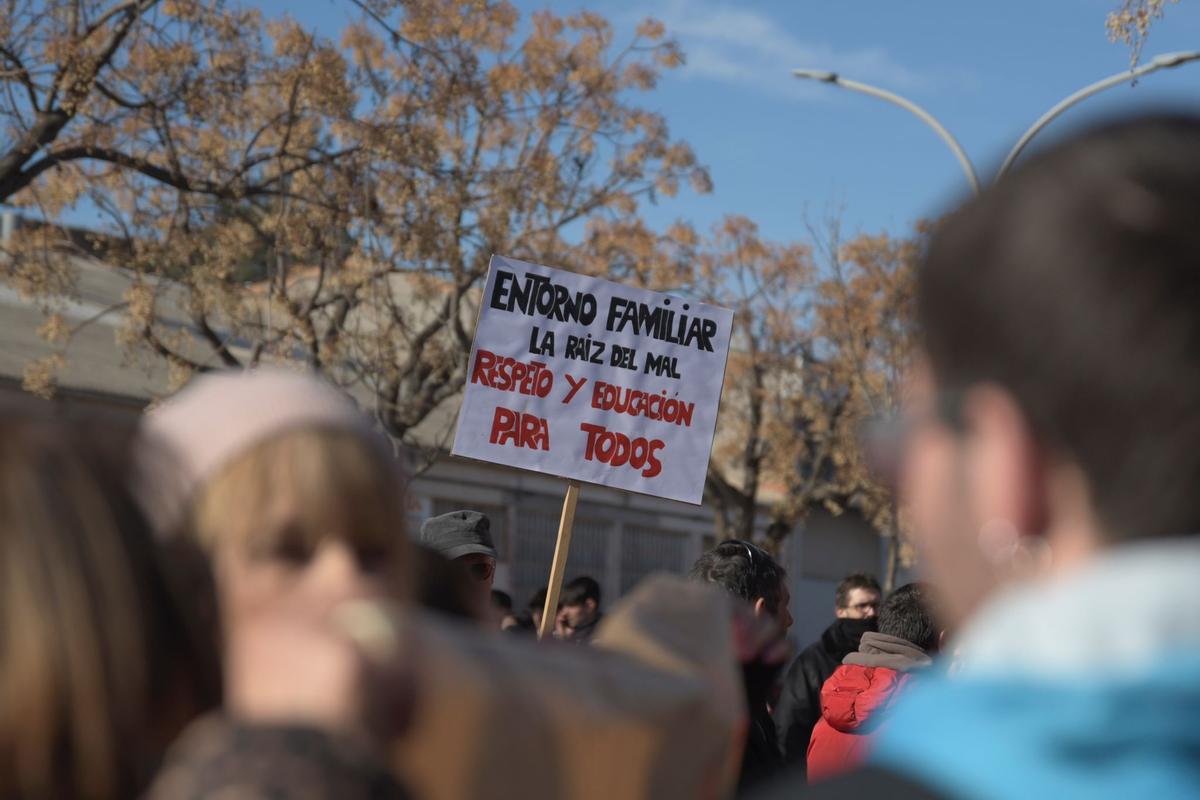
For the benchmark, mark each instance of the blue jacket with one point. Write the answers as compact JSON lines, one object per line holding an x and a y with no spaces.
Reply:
{"x":1132,"y":737}
{"x":1084,"y":686}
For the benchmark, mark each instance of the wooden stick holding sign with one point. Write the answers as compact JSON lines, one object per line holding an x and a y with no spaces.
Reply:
{"x":559,"y":567}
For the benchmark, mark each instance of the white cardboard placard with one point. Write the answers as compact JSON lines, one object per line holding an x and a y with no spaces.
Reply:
{"x":588,"y":379}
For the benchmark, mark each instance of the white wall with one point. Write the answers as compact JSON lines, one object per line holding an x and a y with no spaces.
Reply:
{"x":619,"y":537}
{"x":817,"y":557}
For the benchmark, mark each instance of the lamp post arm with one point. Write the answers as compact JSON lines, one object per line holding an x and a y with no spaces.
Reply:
{"x":1163,"y":61}
{"x":907,"y":105}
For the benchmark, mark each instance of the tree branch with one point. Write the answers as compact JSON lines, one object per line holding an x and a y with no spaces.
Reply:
{"x":218,"y":344}
{"x":23,"y":75}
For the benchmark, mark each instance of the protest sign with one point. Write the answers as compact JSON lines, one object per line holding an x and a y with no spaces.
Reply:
{"x":593,"y":381}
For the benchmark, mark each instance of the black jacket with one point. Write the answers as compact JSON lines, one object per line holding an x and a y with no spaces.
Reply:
{"x":867,"y":782}
{"x":761,"y":760}
{"x":799,"y":705}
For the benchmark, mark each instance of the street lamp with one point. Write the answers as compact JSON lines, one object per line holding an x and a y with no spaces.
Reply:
{"x":1164,"y":61}
{"x":908,"y":105}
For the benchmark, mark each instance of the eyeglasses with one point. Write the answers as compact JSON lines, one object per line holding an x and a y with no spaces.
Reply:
{"x":885,"y":439}
{"x":872,"y":605}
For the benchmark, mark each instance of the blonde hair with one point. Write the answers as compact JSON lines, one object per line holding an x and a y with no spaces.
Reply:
{"x":101,"y":662}
{"x":302,"y":486}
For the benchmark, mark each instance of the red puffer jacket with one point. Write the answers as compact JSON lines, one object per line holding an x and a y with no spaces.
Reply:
{"x":852,"y":702}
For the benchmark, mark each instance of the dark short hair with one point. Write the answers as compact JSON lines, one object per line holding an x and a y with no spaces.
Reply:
{"x":859,"y":580}
{"x":1073,"y":283}
{"x":907,"y":614}
{"x":744,"y":570}
{"x":579,"y":591}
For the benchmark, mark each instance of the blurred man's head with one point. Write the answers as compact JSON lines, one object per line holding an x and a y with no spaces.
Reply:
{"x":908,"y":614}
{"x":579,"y":603}
{"x":748,"y":572}
{"x":465,"y":537}
{"x":1060,"y":313}
{"x":857,"y":597}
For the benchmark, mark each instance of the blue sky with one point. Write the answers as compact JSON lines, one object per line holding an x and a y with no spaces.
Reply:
{"x":780,"y":149}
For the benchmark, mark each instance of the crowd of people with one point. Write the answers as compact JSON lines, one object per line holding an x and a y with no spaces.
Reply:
{"x":224,"y":600}
{"x":458,"y":572}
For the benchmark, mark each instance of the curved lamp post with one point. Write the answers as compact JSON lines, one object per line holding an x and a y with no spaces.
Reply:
{"x":908,"y":105}
{"x":1164,"y":61}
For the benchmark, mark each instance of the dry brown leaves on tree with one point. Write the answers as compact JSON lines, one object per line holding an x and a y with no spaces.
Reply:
{"x":290,"y":197}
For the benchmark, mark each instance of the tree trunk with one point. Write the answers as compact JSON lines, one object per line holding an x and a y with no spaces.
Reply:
{"x":746,"y":517}
{"x":893,"y":561}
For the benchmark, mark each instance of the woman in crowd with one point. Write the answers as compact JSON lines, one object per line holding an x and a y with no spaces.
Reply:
{"x":104,"y":656}
{"x":284,"y":482}
{"x":299,"y":505}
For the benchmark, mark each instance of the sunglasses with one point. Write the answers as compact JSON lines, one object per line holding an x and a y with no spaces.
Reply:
{"x":755,"y":553}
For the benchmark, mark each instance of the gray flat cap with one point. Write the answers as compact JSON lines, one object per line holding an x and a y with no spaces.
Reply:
{"x":458,"y":534}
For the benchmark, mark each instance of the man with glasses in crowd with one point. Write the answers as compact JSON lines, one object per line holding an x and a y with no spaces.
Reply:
{"x":857,"y":597}
{"x":856,"y":602}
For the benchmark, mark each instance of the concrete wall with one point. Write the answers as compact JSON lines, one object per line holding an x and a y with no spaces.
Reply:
{"x":818,"y":556}
{"x":619,"y":538}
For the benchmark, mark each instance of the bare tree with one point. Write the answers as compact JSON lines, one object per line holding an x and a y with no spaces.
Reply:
{"x":292,"y":198}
